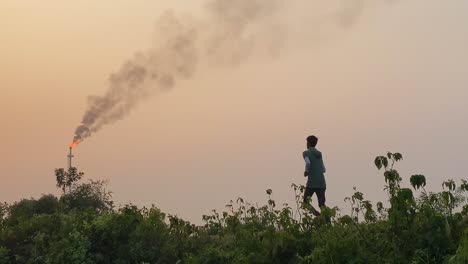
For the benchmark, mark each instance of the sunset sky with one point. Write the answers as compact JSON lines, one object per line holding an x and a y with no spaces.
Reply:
{"x":394,"y":78}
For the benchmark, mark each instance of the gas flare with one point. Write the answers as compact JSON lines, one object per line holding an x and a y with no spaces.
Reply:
{"x":75,"y":143}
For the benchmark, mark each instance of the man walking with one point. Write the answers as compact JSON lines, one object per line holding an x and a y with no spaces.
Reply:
{"x":314,"y":170}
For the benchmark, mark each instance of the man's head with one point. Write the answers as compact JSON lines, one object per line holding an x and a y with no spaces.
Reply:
{"x":312,"y":141}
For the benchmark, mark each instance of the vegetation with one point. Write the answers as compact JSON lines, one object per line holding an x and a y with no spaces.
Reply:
{"x":82,"y":226}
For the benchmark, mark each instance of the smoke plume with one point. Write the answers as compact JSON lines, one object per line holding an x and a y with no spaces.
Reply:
{"x":230,"y":32}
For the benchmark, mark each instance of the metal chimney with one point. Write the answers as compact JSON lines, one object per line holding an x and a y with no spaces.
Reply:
{"x":70,"y":156}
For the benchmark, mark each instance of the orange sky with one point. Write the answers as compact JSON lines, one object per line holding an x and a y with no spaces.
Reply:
{"x":396,"y":80}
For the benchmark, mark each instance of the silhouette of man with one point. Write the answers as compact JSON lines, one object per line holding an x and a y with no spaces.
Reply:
{"x":314,"y":171}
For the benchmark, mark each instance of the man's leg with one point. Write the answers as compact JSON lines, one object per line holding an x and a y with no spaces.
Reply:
{"x":321,"y":201}
{"x":320,"y":196}
{"x":308,"y":194}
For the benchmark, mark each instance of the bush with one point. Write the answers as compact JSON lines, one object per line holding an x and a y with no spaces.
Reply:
{"x":82,"y":226}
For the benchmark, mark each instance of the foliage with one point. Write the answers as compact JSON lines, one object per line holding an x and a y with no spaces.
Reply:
{"x":66,"y":179}
{"x":91,"y":195}
{"x":82,"y":226}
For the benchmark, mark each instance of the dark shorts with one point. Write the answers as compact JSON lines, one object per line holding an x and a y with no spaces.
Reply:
{"x":320,"y":195}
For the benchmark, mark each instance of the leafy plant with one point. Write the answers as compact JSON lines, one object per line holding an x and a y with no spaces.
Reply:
{"x":83,"y":226}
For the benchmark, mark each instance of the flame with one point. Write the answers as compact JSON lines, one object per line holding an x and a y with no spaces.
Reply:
{"x":74,"y":143}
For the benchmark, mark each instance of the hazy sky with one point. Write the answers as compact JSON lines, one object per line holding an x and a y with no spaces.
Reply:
{"x":393,"y":80}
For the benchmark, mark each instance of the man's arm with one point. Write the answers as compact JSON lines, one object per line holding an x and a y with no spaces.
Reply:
{"x":323,"y":165}
{"x":307,"y":164}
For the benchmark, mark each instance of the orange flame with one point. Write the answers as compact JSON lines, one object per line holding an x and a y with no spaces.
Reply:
{"x":74,"y":143}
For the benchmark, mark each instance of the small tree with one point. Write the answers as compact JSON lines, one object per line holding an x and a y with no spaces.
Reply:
{"x":90,"y":195}
{"x":65,"y":179}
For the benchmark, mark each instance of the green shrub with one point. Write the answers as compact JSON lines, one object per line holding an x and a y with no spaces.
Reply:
{"x":82,"y":226}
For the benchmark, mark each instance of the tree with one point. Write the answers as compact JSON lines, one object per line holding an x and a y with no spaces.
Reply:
{"x":90,"y":195}
{"x":65,"y":179}
{"x":82,"y":196}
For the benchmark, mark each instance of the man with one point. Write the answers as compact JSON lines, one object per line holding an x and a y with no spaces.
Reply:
{"x":314,"y":170}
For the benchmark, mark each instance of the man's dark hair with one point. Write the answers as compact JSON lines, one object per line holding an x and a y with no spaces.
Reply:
{"x":312,"y":141}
